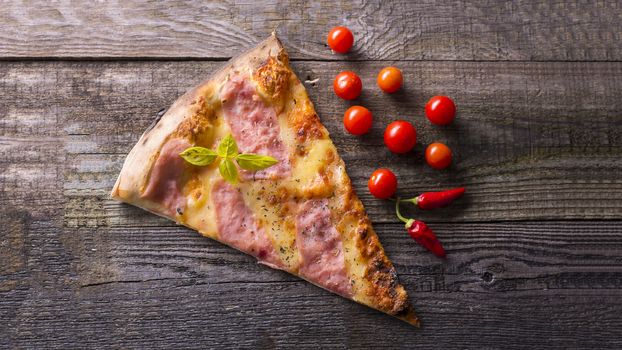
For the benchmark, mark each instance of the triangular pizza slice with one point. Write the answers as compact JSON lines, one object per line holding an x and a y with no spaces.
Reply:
{"x":300,"y":215}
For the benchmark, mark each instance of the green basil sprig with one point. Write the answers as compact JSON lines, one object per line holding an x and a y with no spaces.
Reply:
{"x":227,"y":153}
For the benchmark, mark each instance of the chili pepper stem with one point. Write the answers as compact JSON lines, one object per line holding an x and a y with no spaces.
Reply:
{"x":409,"y":200}
{"x":407,"y":222}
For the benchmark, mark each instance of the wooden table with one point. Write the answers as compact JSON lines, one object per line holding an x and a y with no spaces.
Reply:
{"x":535,"y":249}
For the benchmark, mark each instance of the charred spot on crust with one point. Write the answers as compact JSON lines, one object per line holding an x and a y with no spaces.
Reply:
{"x":362,"y":232}
{"x":387,"y":291}
{"x":301,"y":150}
{"x":380,"y":265}
{"x":197,"y":127}
{"x":307,"y":126}
{"x":273,"y":78}
{"x":385,"y":288}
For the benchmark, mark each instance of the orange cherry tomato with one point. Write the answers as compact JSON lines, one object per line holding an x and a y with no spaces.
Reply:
{"x":440,"y":110}
{"x":357,"y":120}
{"x":340,"y":39}
{"x":400,"y":136}
{"x":438,"y":155}
{"x":382,"y":183}
{"x":347,"y":85}
{"x":390,"y":79}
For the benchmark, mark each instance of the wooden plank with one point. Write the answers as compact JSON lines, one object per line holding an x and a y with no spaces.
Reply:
{"x":536,"y":284}
{"x":77,"y":120}
{"x":77,"y":269}
{"x":395,"y":30}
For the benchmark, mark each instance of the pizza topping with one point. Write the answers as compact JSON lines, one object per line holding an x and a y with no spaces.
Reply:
{"x":238,"y":227}
{"x":199,"y":156}
{"x":273,"y":77}
{"x":164,"y":185}
{"x":321,"y":249}
{"x":255,"y":126}
{"x":228,"y":171}
{"x":227,"y":152}
{"x":198,"y":128}
{"x":254,"y":162}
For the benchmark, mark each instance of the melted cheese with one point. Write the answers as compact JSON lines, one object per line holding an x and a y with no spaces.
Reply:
{"x":200,"y":214}
{"x":312,"y":176}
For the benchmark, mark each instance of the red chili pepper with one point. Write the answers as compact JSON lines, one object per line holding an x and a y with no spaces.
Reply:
{"x":433,"y":200}
{"x":421,"y":233}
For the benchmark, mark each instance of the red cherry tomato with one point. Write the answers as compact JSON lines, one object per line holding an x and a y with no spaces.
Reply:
{"x":390,"y":79}
{"x":357,"y":120}
{"x":340,"y":39}
{"x":438,"y":155}
{"x":347,"y":85}
{"x":382,"y":183}
{"x":400,"y":136}
{"x":440,"y":110}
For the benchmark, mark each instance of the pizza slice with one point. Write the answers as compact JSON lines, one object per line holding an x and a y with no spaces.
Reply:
{"x":300,"y":215}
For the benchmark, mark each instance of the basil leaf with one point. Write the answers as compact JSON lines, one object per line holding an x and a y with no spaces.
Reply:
{"x":228,"y":171}
{"x":200,"y":156}
{"x":254,"y":162}
{"x":227,"y":147}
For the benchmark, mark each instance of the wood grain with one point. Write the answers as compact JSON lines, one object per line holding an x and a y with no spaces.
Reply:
{"x":81,"y":270}
{"x":514,"y":285}
{"x":519,"y":162}
{"x":535,"y":248}
{"x":523,"y":30}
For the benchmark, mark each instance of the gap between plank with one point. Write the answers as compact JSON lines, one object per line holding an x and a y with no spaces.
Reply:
{"x":225,"y":59}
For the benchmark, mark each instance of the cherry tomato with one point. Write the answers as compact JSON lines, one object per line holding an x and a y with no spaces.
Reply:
{"x":390,"y":79}
{"x":347,"y":85}
{"x":340,"y":39}
{"x":440,"y":110}
{"x":382,"y":183}
{"x":438,"y":155}
{"x":400,"y":136}
{"x":357,"y":120}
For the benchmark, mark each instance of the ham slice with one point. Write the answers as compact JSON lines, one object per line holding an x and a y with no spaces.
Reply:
{"x":320,"y":247}
{"x":254,"y":126}
{"x":164,"y":184}
{"x":238,"y":226}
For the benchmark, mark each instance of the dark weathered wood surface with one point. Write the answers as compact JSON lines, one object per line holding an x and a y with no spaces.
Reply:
{"x":523,"y":130}
{"x":401,"y":29}
{"x":535,"y":248}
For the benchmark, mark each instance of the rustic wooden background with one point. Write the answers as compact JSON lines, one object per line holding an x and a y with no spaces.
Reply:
{"x":535,"y":249}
